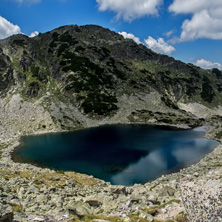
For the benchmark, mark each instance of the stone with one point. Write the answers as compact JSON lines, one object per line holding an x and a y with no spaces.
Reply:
{"x":79,"y":209}
{"x":41,"y":198}
{"x":6,"y":213}
{"x":167,"y":190}
{"x":118,"y":190}
{"x":196,"y":174}
{"x":94,"y":203}
{"x":38,"y":218}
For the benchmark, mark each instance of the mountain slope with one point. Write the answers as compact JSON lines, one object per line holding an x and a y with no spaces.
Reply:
{"x":73,"y":77}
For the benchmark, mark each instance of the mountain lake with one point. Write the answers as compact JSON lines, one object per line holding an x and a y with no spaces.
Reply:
{"x":120,"y":154}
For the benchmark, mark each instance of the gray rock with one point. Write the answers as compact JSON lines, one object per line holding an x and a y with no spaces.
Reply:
{"x":94,"y":203}
{"x":6,"y":217}
{"x":118,"y":190}
{"x":41,"y":198}
{"x":6,"y":213}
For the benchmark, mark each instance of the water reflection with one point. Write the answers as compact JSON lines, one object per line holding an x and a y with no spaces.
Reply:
{"x":121,"y":154}
{"x":174,"y":155}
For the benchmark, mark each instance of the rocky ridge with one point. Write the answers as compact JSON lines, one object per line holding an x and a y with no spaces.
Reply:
{"x":77,"y":77}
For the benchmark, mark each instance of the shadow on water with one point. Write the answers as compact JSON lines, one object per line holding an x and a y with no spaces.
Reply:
{"x":120,"y":154}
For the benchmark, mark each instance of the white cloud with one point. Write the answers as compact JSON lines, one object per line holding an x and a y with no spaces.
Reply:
{"x":206,"y":18}
{"x":193,"y":6}
{"x":7,"y":28}
{"x":130,"y":9}
{"x":130,"y":36}
{"x":168,"y":34}
{"x":33,"y":34}
{"x":159,"y":45}
{"x":208,"y":64}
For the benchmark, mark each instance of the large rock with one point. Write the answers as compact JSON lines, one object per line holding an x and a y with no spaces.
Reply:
{"x":6,"y":213}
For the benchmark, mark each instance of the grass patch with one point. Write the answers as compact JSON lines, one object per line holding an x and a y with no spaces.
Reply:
{"x":90,"y":218}
{"x":154,"y":210}
{"x":136,"y":218}
{"x":181,"y":217}
{"x":17,"y":208}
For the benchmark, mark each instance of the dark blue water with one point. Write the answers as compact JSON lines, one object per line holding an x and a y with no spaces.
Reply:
{"x":120,"y":154}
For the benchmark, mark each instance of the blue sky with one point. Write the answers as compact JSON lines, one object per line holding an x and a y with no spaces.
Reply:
{"x":188,"y":30}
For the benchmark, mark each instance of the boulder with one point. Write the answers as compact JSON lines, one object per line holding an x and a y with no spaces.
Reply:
{"x":6,"y":213}
{"x":94,"y":203}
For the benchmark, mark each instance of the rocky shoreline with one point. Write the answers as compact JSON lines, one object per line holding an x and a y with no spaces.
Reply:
{"x":30,"y":193}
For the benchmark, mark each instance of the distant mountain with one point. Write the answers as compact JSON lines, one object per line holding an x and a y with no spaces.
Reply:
{"x":78,"y":76}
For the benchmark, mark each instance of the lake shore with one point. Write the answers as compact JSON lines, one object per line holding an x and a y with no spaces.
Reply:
{"x":168,"y":195}
{"x":137,"y":146}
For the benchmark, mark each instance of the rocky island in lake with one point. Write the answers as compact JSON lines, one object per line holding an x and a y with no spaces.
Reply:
{"x":77,"y":77}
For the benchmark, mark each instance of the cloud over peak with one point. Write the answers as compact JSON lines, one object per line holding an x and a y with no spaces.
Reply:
{"x":205,"y":64}
{"x":7,"y":28}
{"x":130,"y":36}
{"x":130,"y":9}
{"x":159,"y":45}
{"x":33,"y":34}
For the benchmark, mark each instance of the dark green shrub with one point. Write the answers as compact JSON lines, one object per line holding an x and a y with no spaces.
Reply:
{"x":34,"y":70}
{"x":207,"y":93}
{"x":19,"y":42}
{"x":100,"y":104}
{"x":66,"y":37}
{"x":217,"y":72}
{"x":55,"y":36}
{"x":62,"y":48}
{"x":79,"y":49}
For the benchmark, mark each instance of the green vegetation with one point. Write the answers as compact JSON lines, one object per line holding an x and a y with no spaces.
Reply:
{"x":17,"y":208}
{"x":33,"y":90}
{"x":91,"y":217}
{"x":207,"y":93}
{"x":20,"y":42}
{"x":154,"y":210}
{"x":55,"y":36}
{"x":62,"y":48}
{"x":181,"y":217}
{"x":90,"y":78}
{"x":79,"y":49}
{"x":169,"y":103}
{"x":120,"y":74}
{"x":66,"y":37}
{"x":34,"y":70}
{"x":100,"y":104}
{"x":218,"y":135}
{"x":136,"y":218}
{"x":194,"y":72}
{"x":217,"y":72}
{"x":78,"y":63}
